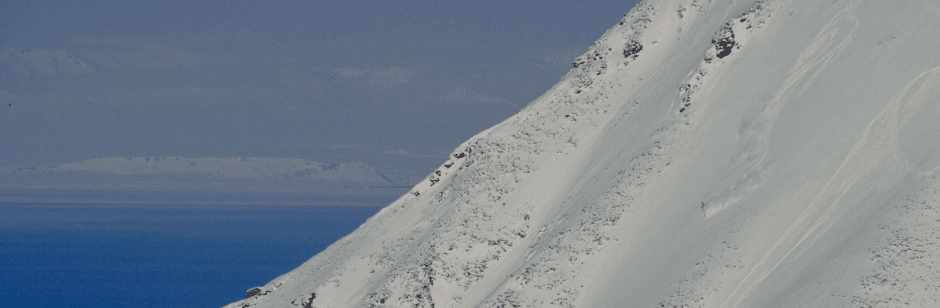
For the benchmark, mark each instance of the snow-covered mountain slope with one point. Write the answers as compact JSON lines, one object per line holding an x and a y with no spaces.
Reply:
{"x":701,"y":154}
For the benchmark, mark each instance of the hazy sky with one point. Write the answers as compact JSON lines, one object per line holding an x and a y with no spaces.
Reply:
{"x":321,"y":80}
{"x":44,"y":23}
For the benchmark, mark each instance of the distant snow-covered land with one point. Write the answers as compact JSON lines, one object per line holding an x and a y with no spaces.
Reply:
{"x":163,"y":171}
{"x":196,"y":96}
{"x":702,"y":153}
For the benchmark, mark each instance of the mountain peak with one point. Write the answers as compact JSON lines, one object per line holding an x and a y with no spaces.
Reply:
{"x":699,"y":154}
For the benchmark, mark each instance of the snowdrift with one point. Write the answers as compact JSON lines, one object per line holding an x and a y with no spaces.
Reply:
{"x":700,"y":154}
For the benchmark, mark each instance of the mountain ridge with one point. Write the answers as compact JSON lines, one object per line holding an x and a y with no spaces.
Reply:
{"x":699,"y":154}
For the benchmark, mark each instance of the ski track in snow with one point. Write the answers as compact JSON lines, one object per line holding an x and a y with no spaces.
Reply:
{"x":901,"y":98}
{"x":808,"y":61}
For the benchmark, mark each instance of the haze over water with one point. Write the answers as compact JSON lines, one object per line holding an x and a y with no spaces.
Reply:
{"x":170,"y":248}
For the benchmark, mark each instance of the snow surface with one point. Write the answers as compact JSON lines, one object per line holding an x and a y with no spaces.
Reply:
{"x":701,"y":154}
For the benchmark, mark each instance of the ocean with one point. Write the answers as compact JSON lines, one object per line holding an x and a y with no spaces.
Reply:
{"x":130,"y":247}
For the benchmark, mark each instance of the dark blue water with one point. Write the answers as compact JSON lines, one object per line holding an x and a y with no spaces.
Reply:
{"x":162,"y":248}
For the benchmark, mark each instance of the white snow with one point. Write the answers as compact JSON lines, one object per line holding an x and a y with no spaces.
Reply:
{"x":791,"y":163}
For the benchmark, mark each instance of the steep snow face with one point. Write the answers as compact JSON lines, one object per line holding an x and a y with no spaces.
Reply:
{"x":701,"y":154}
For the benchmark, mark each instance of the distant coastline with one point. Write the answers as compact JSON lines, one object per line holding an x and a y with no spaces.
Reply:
{"x":203,"y":173}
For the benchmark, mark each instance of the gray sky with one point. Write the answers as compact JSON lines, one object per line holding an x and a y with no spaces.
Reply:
{"x":326,"y":81}
{"x":43,"y":23}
